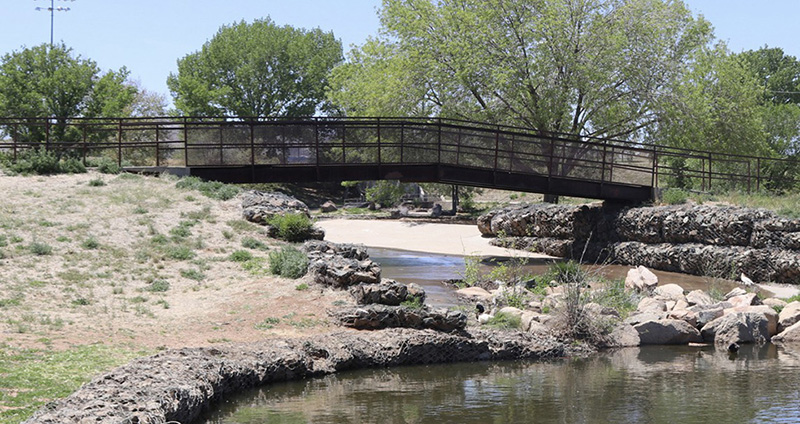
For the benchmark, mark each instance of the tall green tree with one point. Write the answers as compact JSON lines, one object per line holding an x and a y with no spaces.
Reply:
{"x":52,"y":82}
{"x":258,"y":69}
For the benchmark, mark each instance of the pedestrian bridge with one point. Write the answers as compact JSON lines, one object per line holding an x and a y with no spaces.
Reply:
{"x":262,"y":150}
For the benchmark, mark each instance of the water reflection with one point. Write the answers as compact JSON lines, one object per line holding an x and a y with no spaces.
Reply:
{"x":653,"y":384}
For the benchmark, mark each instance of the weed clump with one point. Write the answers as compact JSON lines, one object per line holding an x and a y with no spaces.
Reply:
{"x":292,"y":227}
{"x":288,"y":262}
{"x":212,"y":189}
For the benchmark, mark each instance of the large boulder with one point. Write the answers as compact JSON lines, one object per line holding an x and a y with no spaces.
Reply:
{"x":623,"y":335}
{"x":474,"y":293}
{"x":667,"y":331}
{"x":790,"y":314}
{"x":641,"y":279}
{"x":706,"y":313}
{"x":375,"y":317}
{"x":791,"y":334}
{"x":670,"y":292}
{"x":260,"y":207}
{"x":340,"y":265}
{"x":739,"y":327}
{"x":387,"y":292}
{"x":699,"y":297}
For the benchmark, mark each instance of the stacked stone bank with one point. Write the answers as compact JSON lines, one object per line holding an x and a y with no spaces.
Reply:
{"x":700,"y":240}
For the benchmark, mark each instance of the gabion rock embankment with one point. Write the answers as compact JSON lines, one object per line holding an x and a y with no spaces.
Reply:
{"x":702,"y":240}
{"x":178,"y":385}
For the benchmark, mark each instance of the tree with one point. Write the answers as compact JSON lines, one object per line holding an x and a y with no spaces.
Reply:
{"x":574,"y":68}
{"x":51,"y":82}
{"x":258,"y":69}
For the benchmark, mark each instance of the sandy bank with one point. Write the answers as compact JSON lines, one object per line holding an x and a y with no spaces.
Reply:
{"x":445,"y":239}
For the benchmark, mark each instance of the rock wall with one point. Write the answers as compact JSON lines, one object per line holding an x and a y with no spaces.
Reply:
{"x":177,"y":385}
{"x":702,"y":240}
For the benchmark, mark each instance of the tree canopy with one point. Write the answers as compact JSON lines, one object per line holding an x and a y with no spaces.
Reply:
{"x":258,"y":69}
{"x":581,"y":67}
{"x":46,"y":81}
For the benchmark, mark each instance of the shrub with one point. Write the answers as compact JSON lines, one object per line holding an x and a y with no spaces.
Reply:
{"x":288,"y":262}
{"x":241,"y":256}
{"x":40,"y":249}
{"x":212,"y":189}
{"x":96,"y":182}
{"x":505,"y":321}
{"x":90,"y":243}
{"x":301,"y":287}
{"x":674,"y":196}
{"x":37,"y":161}
{"x":193,"y":274}
{"x":385,"y":193}
{"x":108,"y":166}
{"x":157,"y":286}
{"x":252,"y":243}
{"x":292,"y":227}
{"x":180,"y":253}
{"x":72,"y":166}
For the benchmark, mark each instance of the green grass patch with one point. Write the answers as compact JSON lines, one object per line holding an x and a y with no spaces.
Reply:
{"x":38,"y":376}
{"x":288,"y":262}
{"x":212,"y":189}
{"x":40,"y":249}
{"x":97,"y":182}
{"x":193,"y":274}
{"x":267,"y":324}
{"x":157,"y":286}
{"x":255,"y":244}
{"x":503,"y":321}
{"x":241,"y":256}
{"x":292,"y":227}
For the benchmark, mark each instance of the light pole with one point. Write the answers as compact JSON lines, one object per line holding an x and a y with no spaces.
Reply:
{"x":52,"y":9}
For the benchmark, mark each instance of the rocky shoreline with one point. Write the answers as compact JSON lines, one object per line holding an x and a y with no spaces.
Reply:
{"x":178,"y":385}
{"x":720,"y":241}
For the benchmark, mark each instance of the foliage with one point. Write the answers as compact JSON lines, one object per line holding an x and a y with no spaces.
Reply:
{"x":107,"y":166}
{"x":301,"y":287}
{"x":414,"y":302}
{"x":614,"y":295}
{"x":255,"y":244}
{"x":589,"y":68}
{"x":40,"y":161}
{"x":258,"y":69}
{"x":212,"y":189}
{"x":97,"y":182}
{"x":157,"y":286}
{"x":292,"y":227}
{"x":472,"y":272}
{"x":45,"y":81}
{"x":288,"y":262}
{"x":385,"y":193}
{"x":241,"y":256}
{"x":795,"y":298}
{"x":504,"y":321}
{"x":565,"y":272}
{"x":40,"y":249}
{"x":674,"y":196}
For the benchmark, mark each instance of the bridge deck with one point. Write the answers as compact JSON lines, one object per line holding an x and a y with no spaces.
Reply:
{"x":406,"y":149}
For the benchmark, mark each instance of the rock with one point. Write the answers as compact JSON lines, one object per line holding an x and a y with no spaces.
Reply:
{"x":340,"y":265}
{"x":484,"y":318}
{"x":774,"y":302}
{"x":738,"y":291}
{"x":641,"y":279}
{"x":670,"y":292}
{"x":387,"y":292}
{"x":259,"y":206}
{"x":790,"y":334}
{"x":474,"y":293}
{"x":596,"y":311}
{"x":328,"y":206}
{"x":684,"y":315}
{"x":623,"y":335}
{"x":739,"y":327}
{"x":639,"y":318}
{"x":680,"y":305}
{"x":667,"y":331}
{"x":699,"y":297}
{"x":374,"y":317}
{"x":790,"y":314}
{"x":706,"y":313}
{"x":746,"y":299}
{"x":649,"y":304}
{"x":511,"y":311}
{"x":536,"y":327}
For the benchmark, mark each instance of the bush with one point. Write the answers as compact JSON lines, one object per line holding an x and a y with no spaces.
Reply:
{"x":385,"y":193}
{"x":288,"y":262}
{"x":212,"y":189}
{"x":241,"y":256}
{"x":72,"y":166}
{"x":108,"y":166}
{"x":292,"y":227}
{"x":37,"y":161}
{"x":674,"y":196}
{"x":40,"y":249}
{"x":96,"y":182}
{"x":157,"y":286}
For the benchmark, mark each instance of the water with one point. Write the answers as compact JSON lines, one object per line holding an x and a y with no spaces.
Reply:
{"x":652,"y":384}
{"x":430,"y":270}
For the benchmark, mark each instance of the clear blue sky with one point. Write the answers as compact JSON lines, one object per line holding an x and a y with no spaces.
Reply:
{"x":149,"y":36}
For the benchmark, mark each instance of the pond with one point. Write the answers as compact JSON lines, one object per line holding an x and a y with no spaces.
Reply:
{"x":651,"y":384}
